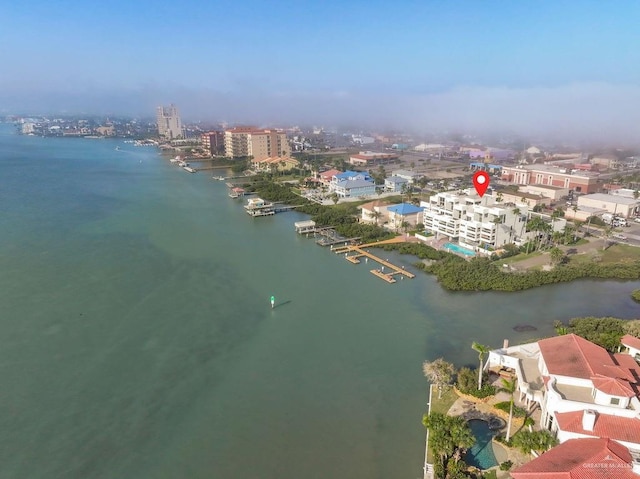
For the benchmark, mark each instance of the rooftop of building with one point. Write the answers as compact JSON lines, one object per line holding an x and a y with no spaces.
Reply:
{"x":620,"y":428}
{"x":405,"y":209}
{"x":588,"y":458}
{"x":572,"y":356}
{"x":555,"y":169}
{"x":621,"y":200}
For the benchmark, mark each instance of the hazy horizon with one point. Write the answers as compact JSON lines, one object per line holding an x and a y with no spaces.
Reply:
{"x":561,"y":72}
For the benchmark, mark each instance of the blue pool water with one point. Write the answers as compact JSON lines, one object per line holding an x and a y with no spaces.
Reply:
{"x":481,"y":453}
{"x":458,"y":249}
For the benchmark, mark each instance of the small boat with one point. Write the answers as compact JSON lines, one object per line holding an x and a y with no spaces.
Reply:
{"x":219,"y":178}
{"x":189,"y":169}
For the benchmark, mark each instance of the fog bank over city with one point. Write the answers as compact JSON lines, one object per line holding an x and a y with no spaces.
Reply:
{"x":593,"y":113}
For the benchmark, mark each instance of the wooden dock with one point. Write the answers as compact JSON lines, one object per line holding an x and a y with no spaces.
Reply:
{"x":392,"y":269}
{"x":387,"y":277}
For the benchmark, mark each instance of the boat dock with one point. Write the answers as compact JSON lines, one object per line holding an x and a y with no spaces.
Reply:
{"x":259,"y":207}
{"x":391,"y":269}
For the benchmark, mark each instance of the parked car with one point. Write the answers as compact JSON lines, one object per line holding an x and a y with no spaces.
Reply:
{"x":619,"y":236}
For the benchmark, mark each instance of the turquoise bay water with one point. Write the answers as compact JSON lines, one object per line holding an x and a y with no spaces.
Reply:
{"x":137,"y":339}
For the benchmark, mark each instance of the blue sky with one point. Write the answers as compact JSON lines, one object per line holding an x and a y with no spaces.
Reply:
{"x":237,"y":59}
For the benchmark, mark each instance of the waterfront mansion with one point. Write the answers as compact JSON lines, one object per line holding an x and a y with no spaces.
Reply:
{"x":583,"y":391}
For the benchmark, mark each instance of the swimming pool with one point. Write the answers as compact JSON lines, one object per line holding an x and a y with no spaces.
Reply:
{"x":454,"y":248}
{"x":481,"y":453}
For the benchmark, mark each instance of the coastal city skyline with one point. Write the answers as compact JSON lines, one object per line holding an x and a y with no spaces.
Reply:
{"x":556,"y":70}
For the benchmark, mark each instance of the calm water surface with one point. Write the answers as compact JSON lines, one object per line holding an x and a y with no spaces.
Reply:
{"x":137,"y":340}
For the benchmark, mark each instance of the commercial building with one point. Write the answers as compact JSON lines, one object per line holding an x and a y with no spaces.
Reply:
{"x":368,"y":158}
{"x":614,"y":204}
{"x":259,"y":143}
{"x":169,"y":123}
{"x":550,"y":175}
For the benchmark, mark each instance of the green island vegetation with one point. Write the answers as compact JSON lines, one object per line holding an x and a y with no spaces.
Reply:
{"x":482,"y":274}
{"x":635,"y":294}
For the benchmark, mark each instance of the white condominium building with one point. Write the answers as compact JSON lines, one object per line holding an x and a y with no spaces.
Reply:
{"x":474,"y":221}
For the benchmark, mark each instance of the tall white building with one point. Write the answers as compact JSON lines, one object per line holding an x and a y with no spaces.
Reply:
{"x":474,"y":221}
{"x":169,"y":123}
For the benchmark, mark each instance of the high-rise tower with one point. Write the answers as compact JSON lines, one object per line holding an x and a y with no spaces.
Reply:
{"x":169,"y":124}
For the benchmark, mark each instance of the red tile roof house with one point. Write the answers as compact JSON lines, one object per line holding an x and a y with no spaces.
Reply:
{"x":327,"y":176}
{"x":583,"y":391}
{"x":582,"y":459}
{"x":568,"y":373}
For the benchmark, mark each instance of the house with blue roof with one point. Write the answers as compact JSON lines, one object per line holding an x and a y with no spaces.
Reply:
{"x":352,"y":175}
{"x":404,"y":214}
{"x":354,"y":188}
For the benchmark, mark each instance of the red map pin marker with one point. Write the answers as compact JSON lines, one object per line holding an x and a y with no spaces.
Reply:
{"x":481,"y":182}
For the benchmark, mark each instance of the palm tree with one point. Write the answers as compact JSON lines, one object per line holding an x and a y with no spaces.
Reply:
{"x":497,"y":221}
{"x":556,"y":255}
{"x":376,"y":215}
{"x":482,"y":350}
{"x":509,"y":386}
{"x":606,"y":233}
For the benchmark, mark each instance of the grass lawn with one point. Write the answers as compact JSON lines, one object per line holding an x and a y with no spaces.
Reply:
{"x":443,"y":404}
{"x":516,"y":258}
{"x":619,"y":253}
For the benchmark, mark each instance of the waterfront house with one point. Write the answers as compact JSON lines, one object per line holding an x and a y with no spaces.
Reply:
{"x":353,"y":188}
{"x":375,"y":212}
{"x":568,"y":374}
{"x":404,"y":213}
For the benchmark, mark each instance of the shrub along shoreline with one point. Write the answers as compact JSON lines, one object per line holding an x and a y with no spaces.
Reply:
{"x":481,"y":274}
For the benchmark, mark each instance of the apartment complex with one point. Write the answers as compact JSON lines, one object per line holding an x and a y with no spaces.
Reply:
{"x":552,"y":175}
{"x":169,"y":123}
{"x":474,"y":222}
{"x":213,"y":141}
{"x":260,"y":144}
